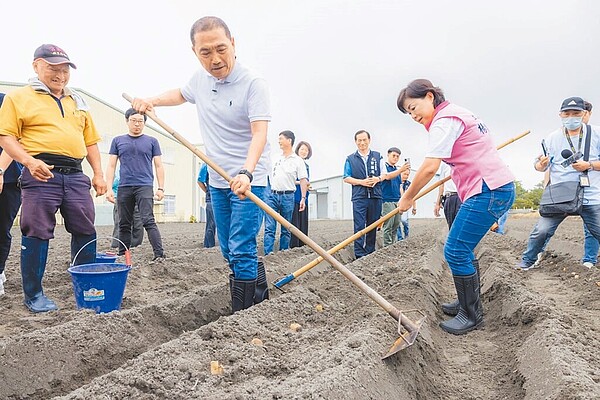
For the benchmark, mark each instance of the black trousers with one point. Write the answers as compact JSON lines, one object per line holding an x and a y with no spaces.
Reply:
{"x":300,"y":221}
{"x":10,"y":201}
{"x":137,"y":231}
{"x":451,"y":206}
{"x":142,"y":196}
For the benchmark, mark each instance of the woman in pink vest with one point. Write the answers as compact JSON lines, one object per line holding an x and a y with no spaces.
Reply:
{"x":483,"y":181}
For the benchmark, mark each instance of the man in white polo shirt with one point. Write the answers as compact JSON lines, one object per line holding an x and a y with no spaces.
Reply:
{"x":287,"y":170}
{"x":234,"y":112}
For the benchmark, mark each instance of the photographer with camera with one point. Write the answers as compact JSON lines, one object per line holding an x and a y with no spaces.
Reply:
{"x":590,"y":244}
{"x":572,"y":156}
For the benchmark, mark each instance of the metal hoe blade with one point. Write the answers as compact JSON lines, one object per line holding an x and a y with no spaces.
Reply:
{"x":408,"y":331}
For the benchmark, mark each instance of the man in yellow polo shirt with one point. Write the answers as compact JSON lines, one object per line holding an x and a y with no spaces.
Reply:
{"x":47,"y":127}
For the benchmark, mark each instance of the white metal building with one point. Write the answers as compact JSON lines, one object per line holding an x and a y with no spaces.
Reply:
{"x":330,"y":198}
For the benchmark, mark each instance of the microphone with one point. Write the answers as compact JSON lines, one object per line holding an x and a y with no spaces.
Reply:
{"x":569,"y":157}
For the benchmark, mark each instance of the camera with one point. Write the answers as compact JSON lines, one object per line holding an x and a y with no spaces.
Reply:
{"x":571,"y":159}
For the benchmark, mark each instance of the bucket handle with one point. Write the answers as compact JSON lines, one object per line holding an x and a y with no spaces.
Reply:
{"x":127,"y":251}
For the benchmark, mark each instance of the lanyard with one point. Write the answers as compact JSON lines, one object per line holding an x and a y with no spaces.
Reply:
{"x":571,"y":143}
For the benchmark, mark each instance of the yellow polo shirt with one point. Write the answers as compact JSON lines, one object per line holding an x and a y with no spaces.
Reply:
{"x":35,"y":119}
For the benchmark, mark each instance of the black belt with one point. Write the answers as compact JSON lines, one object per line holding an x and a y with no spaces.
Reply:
{"x":62,"y":164}
{"x":448,"y":194}
{"x":283,"y":191}
{"x":66,"y":170}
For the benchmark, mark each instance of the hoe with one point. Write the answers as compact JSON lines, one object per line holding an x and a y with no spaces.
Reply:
{"x":407,"y":328}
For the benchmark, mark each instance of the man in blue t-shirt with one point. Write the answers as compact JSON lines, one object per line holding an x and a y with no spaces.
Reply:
{"x":210,"y":229}
{"x":10,"y":201}
{"x":136,"y":153}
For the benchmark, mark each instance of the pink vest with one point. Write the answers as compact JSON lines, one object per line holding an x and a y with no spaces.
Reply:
{"x":474,"y":156}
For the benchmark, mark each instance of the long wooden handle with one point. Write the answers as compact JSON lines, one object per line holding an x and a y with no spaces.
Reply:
{"x":375,"y":224}
{"x":383,"y":303}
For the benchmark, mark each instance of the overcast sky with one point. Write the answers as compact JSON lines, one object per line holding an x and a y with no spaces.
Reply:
{"x":334,"y":66}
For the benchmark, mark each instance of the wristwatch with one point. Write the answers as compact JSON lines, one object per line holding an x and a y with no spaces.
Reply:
{"x":1,"y":172}
{"x":247,"y":173}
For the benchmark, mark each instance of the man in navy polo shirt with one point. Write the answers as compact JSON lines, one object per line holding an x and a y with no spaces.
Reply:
{"x":234,"y":112}
{"x":10,"y":201}
{"x":363,"y":170}
{"x":136,"y":152}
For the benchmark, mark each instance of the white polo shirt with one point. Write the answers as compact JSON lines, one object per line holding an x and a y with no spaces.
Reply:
{"x":445,"y":171}
{"x":225,"y":108}
{"x":286,"y":171}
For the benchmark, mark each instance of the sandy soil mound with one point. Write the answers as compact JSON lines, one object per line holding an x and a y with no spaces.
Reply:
{"x":540,"y":340}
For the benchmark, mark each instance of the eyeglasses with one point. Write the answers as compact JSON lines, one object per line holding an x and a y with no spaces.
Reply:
{"x":136,"y":121}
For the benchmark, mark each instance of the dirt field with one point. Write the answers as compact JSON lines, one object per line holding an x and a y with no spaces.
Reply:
{"x":541,"y":339}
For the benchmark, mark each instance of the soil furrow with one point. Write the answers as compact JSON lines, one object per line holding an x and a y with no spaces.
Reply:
{"x":539,"y":341}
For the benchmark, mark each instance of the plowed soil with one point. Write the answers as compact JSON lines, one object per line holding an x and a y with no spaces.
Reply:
{"x":541,"y":338}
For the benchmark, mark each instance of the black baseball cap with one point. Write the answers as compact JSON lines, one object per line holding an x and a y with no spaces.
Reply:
{"x":53,"y":55}
{"x":572,"y":103}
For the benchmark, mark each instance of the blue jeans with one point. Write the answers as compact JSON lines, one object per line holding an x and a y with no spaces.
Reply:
{"x":238,"y":222}
{"x":502,"y":223}
{"x":475,"y":217}
{"x":404,"y":226}
{"x":365,"y":212}
{"x":209,"y":230}
{"x":284,"y":205}
{"x":546,"y":226}
{"x":590,"y":247}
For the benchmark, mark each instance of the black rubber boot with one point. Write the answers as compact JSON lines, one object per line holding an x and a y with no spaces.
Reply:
{"x":262,"y":286}
{"x":470,"y":315}
{"x":453,"y":307}
{"x":34,"y":253}
{"x":87,"y":255}
{"x":242,"y":294}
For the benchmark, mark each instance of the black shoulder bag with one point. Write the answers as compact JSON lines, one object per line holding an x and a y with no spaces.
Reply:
{"x":565,"y":198}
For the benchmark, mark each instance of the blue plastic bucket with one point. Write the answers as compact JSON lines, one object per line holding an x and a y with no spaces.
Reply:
{"x":99,"y":287}
{"x":106,"y":258}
